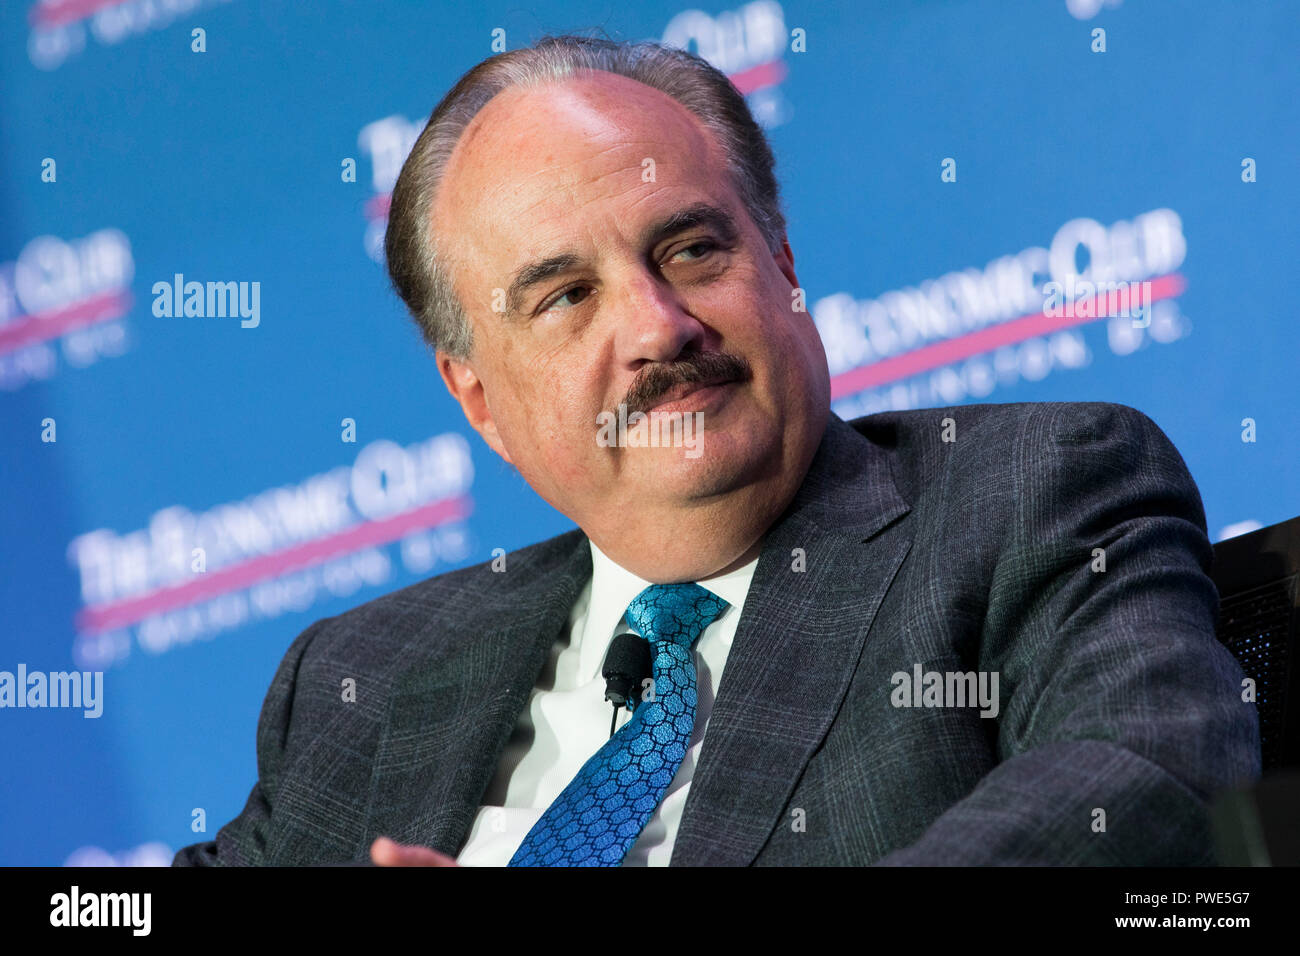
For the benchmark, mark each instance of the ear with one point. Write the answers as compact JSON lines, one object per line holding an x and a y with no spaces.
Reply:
{"x":466,"y":387}
{"x":785,"y":262}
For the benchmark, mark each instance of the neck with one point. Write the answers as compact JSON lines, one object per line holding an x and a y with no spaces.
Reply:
{"x":710,"y":542}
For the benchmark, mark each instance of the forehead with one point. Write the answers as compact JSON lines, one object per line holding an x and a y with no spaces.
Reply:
{"x":536,"y":164}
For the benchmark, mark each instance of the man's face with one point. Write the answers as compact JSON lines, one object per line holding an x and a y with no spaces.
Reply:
{"x":581,"y":178}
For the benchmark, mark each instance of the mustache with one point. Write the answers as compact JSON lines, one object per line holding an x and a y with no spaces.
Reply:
{"x":698,"y":368}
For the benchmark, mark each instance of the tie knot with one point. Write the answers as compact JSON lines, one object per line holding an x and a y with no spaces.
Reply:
{"x":673,"y":612}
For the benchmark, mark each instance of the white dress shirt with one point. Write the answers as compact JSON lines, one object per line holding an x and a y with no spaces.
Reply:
{"x":567,"y":719}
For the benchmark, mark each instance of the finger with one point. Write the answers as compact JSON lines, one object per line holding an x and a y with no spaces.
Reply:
{"x":386,"y":852}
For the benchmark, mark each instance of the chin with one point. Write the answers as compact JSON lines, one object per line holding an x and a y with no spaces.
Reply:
{"x":715,"y":468}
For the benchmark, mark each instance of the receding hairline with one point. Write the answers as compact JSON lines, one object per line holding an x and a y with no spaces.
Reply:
{"x":584,"y":77}
{"x":451,"y":263}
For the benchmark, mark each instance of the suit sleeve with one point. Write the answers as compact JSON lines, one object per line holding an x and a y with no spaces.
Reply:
{"x":1121,"y":713}
{"x":243,"y":841}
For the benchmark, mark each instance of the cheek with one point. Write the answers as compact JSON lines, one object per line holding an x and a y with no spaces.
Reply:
{"x":756,"y":302}
{"x":557,"y":462}
{"x":552,"y":429}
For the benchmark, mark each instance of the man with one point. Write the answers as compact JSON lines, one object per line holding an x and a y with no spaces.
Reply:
{"x":979,"y":634}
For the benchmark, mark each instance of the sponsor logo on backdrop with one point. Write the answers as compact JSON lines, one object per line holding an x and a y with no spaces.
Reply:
{"x":1019,"y":318}
{"x":188,"y":576}
{"x":387,"y":142}
{"x":1238,"y":528}
{"x":60,"y":29}
{"x":64,"y":299}
{"x":747,"y":43}
{"x":146,"y":854}
{"x":1087,"y":9}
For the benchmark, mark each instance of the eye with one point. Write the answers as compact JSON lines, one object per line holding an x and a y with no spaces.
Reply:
{"x":704,"y":244}
{"x":565,"y":295}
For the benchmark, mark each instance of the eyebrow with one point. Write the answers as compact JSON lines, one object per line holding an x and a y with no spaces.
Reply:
{"x":697,"y":214}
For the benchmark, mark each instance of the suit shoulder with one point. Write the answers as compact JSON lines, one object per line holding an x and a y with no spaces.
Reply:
{"x":922,"y":428}
{"x":456,"y":594}
{"x":927,"y":442}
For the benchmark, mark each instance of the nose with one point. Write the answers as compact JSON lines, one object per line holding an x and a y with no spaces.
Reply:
{"x":653,"y":323}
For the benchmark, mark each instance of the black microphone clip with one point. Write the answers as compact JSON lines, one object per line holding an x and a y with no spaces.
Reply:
{"x":627,"y":664}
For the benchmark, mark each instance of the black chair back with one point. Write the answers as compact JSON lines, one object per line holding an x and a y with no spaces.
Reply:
{"x":1258,"y":577}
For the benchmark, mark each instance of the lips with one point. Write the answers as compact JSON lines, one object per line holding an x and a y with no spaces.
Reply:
{"x":684,"y":390}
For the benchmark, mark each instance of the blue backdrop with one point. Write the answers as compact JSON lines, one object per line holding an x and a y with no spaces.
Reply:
{"x":942,"y":164}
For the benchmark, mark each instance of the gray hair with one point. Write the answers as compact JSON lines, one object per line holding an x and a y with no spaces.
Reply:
{"x":413,"y":260}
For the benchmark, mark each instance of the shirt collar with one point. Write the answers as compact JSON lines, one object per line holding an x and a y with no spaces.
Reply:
{"x":612,"y":589}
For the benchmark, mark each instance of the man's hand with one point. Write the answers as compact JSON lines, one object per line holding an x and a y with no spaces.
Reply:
{"x":384,"y":852}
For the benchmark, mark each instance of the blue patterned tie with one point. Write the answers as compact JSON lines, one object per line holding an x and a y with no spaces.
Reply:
{"x":602,"y":811}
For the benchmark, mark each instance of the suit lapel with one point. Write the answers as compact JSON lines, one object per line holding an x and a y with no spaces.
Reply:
{"x":450,"y":716}
{"x":796,"y":646}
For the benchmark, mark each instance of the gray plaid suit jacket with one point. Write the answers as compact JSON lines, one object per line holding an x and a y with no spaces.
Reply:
{"x":968,"y":555}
